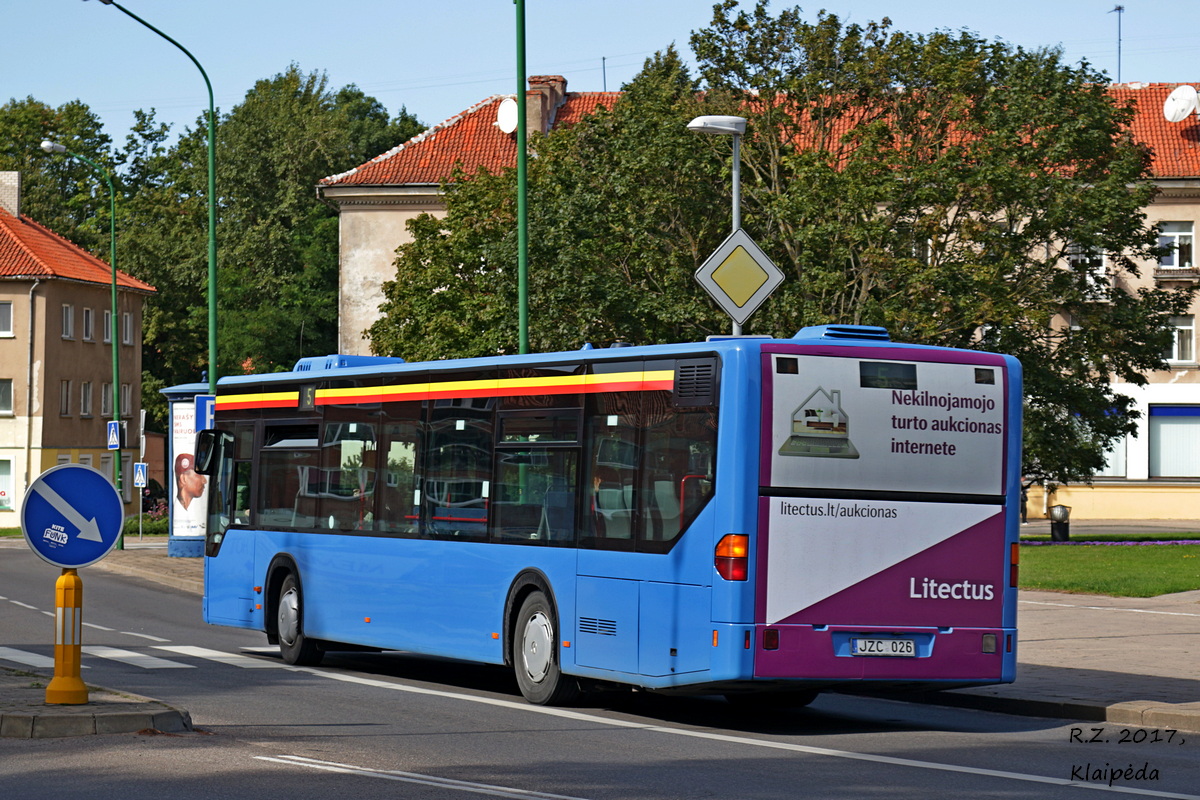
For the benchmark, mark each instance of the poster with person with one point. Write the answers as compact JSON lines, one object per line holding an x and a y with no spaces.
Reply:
{"x":189,"y":490}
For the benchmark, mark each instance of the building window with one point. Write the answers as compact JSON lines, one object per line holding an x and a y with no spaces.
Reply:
{"x":127,"y":328}
{"x":1114,"y":461}
{"x":89,"y":325}
{"x":1174,"y":441}
{"x":106,"y":400}
{"x":1182,"y":349}
{"x":6,"y":404}
{"x":107,"y":334}
{"x":86,"y":459}
{"x":106,"y":467}
{"x":1092,"y":263}
{"x":6,"y":320}
{"x":68,"y":321}
{"x":126,"y":400}
{"x":64,"y":398}
{"x":1178,"y":237}
{"x":85,"y":399}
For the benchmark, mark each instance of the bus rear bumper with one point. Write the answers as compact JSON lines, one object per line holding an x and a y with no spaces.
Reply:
{"x":871,"y":654}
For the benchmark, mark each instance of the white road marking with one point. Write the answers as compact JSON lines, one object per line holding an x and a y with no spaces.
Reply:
{"x":145,"y":636}
{"x":135,"y":659}
{"x":748,"y":741}
{"x":26,"y":658}
{"x":232,"y":659}
{"x":414,"y":777}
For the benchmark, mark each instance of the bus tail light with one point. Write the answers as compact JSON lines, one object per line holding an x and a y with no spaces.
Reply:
{"x":732,"y":557}
{"x":1014,"y":559}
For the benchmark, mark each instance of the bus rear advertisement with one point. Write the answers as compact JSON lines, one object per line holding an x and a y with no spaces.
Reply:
{"x":760,"y":518}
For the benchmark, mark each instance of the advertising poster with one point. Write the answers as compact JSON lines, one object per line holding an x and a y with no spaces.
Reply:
{"x":188,"y":490}
{"x":881,"y":425}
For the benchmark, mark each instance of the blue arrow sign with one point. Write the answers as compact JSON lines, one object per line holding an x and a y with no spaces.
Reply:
{"x":71,"y":516}
{"x":114,"y":436}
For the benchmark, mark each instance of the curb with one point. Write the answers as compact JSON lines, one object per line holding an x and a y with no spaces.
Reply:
{"x":24,"y":714}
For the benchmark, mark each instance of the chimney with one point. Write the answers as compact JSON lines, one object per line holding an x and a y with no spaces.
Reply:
{"x":10,"y":192}
{"x":546,"y":95}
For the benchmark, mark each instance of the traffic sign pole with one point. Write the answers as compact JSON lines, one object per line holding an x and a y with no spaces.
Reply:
{"x":67,"y":687}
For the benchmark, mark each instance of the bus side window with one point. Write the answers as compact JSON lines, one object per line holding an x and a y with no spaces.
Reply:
{"x":400,"y":489}
{"x":677,"y":475}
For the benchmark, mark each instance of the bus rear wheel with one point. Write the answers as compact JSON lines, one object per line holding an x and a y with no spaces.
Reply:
{"x":535,"y":655}
{"x":294,"y":646}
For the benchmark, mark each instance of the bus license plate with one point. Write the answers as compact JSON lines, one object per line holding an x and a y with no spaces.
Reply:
{"x":883,"y":647}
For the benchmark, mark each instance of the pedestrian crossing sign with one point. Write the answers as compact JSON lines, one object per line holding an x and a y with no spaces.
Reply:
{"x":114,"y":436}
{"x":140,"y":476}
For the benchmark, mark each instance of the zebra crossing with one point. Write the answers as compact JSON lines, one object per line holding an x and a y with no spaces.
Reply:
{"x":154,"y":657}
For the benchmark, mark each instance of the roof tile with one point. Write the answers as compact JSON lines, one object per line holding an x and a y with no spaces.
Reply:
{"x":30,"y":250}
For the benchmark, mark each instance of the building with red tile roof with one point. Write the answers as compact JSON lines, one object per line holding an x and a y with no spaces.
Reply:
{"x":377,"y":199}
{"x":56,"y":361}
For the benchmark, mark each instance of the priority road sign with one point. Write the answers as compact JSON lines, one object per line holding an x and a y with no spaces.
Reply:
{"x":140,"y":477}
{"x":739,"y":276}
{"x":71,"y":516}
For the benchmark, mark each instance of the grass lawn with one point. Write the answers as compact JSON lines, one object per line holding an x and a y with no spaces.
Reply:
{"x":1112,"y":569}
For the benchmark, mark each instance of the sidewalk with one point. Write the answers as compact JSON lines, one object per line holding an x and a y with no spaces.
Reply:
{"x":1124,"y":661}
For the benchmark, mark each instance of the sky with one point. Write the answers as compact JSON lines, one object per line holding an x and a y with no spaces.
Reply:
{"x":439,"y":58}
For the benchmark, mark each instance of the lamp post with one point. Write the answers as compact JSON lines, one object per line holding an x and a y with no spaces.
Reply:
{"x":54,"y":147}
{"x":522,"y":191}
{"x":212,"y":200}
{"x":735,"y":127}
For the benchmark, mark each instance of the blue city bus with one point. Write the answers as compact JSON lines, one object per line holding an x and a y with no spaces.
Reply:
{"x":754,"y":517}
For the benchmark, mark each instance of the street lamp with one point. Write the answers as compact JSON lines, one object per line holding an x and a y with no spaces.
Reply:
{"x":212,"y":200}
{"x":54,"y":147}
{"x":735,"y":127}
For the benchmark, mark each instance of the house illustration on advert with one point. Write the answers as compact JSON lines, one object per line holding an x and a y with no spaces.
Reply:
{"x":820,"y":428}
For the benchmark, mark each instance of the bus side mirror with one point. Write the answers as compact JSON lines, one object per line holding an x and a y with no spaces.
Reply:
{"x":211,"y":445}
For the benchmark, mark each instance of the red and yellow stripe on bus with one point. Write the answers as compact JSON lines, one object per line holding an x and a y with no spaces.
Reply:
{"x":633,"y":381}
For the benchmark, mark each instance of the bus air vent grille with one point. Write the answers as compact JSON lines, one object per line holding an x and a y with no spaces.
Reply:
{"x":600,"y":627}
{"x":695,"y":383}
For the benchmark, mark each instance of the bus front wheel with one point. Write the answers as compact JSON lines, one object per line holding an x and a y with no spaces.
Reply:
{"x":535,"y":655}
{"x":294,"y":646}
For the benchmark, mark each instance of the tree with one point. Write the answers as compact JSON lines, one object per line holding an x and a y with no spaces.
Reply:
{"x":277,"y":243}
{"x":620,"y":218}
{"x":934,"y":184}
{"x":64,"y":194}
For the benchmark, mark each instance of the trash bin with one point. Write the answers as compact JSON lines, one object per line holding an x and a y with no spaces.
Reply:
{"x":1060,"y":523}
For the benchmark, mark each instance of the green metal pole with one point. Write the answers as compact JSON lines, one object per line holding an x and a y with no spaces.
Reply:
{"x":212,"y":199}
{"x":522,"y":175}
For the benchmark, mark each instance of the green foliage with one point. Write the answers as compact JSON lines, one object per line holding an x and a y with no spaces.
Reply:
{"x":277,"y":243}
{"x":62,"y":193}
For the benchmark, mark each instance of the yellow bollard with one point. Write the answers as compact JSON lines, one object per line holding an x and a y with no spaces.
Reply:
{"x":67,"y":688}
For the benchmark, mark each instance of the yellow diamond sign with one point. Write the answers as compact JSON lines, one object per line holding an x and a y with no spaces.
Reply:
{"x":739,"y":276}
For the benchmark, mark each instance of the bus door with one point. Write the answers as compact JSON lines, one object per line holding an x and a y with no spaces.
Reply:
{"x":643,"y":594}
{"x":884,"y":518}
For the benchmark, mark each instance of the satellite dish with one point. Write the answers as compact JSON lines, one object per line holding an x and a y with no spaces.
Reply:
{"x":506,"y":115}
{"x":1180,"y":103}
